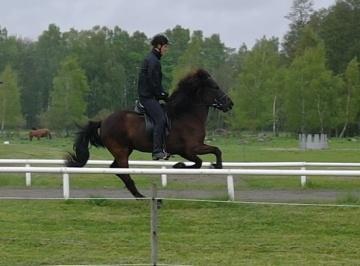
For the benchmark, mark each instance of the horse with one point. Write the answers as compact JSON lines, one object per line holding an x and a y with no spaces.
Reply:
{"x":39,"y":133}
{"x":124,"y":131}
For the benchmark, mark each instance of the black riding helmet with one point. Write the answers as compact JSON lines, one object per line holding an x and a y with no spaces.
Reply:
{"x":159,"y":39}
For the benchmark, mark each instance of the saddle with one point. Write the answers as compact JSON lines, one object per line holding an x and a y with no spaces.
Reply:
{"x":149,"y":123}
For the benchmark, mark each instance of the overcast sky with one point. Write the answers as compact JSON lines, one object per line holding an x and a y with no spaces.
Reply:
{"x":237,"y":21}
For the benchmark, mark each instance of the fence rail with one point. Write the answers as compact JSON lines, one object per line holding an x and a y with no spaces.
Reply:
{"x":164,"y":165}
{"x":229,"y":173}
{"x":171,"y":163}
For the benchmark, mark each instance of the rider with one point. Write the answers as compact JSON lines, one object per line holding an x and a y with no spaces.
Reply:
{"x":151,"y":91}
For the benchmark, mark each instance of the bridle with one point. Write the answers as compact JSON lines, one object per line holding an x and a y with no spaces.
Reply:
{"x":217,"y":101}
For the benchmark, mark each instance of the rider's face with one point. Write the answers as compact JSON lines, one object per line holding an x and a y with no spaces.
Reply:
{"x":163,"y":49}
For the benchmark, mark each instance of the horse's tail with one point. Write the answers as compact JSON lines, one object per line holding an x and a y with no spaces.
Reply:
{"x":49,"y":134}
{"x":88,"y":133}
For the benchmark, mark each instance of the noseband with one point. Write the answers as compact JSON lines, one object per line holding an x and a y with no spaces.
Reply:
{"x":217,"y":102}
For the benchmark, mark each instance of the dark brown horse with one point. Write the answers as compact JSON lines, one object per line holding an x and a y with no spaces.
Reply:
{"x":124,"y":131}
{"x":39,"y":133}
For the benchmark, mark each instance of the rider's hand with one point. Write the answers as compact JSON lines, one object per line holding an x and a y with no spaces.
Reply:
{"x":164,"y":96}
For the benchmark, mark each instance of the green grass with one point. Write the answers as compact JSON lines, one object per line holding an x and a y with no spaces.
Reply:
{"x":113,"y":232}
{"x":197,"y":233}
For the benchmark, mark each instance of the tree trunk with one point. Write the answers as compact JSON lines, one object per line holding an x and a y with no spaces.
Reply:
{"x":320,"y":115}
{"x":347,"y":116}
{"x":3,"y":116}
{"x":274,"y":116}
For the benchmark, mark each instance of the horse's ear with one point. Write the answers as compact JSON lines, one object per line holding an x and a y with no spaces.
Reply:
{"x":202,"y":74}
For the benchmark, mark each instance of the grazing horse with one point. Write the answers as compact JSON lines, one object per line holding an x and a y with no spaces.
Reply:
{"x":39,"y":133}
{"x":124,"y":131}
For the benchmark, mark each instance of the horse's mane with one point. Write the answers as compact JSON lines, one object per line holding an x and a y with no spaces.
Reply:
{"x":187,"y":92}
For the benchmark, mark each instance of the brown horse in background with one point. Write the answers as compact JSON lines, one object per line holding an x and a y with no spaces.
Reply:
{"x":124,"y":131}
{"x":39,"y":133}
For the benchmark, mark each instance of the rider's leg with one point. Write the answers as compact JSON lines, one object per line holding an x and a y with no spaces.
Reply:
{"x":154,"y":110}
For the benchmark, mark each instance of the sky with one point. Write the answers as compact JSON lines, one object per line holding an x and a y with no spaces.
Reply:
{"x":236,"y":21}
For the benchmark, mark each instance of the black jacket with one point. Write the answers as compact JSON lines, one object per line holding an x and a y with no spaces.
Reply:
{"x":150,"y":77}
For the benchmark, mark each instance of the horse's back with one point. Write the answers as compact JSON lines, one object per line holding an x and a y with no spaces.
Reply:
{"x":122,"y":122}
{"x":126,"y":128}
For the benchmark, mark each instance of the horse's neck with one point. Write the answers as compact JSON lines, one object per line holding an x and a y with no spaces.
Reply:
{"x":199,"y":112}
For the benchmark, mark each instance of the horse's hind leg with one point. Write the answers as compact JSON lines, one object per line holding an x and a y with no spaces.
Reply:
{"x":129,"y":183}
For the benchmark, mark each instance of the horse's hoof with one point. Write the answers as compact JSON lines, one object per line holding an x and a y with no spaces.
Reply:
{"x":179,"y":165}
{"x":216,"y":166}
{"x":139,"y":196}
{"x":159,"y":203}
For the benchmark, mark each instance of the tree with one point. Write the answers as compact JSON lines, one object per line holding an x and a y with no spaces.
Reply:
{"x":68,"y":98}
{"x":352,"y":94}
{"x":299,"y":16}
{"x":30,"y":95}
{"x":179,"y":39}
{"x":191,"y":59}
{"x":340,"y":30}
{"x":10,"y":109}
{"x":49,"y":52}
{"x":311,"y":92}
{"x":255,"y":93}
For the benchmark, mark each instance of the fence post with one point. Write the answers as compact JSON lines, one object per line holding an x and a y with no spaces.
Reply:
{"x":66,"y":186}
{"x":230,"y":187}
{"x":28,"y":177}
{"x":303,"y":178}
{"x":163,"y":178}
{"x":154,"y":207}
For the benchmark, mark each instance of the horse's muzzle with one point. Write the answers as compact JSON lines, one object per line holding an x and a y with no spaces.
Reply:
{"x":227,"y":105}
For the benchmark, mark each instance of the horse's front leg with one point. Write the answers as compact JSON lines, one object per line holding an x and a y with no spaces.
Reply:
{"x":191,"y":156}
{"x":206,"y":149}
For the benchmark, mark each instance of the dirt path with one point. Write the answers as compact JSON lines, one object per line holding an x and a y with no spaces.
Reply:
{"x":300,"y":196}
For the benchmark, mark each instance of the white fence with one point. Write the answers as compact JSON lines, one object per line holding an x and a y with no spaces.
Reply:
{"x":164,"y":171}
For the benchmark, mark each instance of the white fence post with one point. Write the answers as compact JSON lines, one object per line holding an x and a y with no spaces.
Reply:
{"x":66,"y":186}
{"x":230,"y":187}
{"x":28,"y":177}
{"x":303,"y":178}
{"x":163,"y":178}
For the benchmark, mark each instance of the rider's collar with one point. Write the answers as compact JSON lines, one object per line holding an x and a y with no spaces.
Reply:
{"x":156,"y":52}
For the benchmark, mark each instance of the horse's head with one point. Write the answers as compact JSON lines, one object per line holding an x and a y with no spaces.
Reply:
{"x":210,"y":93}
{"x":196,"y":89}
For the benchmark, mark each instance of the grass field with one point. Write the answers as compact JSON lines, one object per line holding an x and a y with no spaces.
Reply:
{"x":112,"y":232}
{"x":192,"y":233}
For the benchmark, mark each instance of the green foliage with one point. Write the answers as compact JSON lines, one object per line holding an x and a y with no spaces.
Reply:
{"x":340,"y":30}
{"x":311,"y":91}
{"x":299,"y":16}
{"x":191,"y":59}
{"x":10,"y":109}
{"x":179,"y":39}
{"x":291,"y":89}
{"x":256,"y":87}
{"x":351,"y":95}
{"x":68,"y":98}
